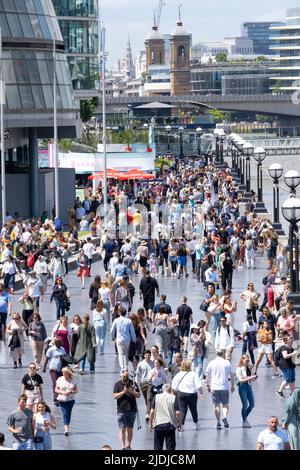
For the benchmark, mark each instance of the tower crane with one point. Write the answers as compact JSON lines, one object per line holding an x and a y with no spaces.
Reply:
{"x":159,"y":11}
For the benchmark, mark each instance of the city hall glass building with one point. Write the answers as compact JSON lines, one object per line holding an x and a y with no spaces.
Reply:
{"x":28,"y":30}
{"x":79,"y":27}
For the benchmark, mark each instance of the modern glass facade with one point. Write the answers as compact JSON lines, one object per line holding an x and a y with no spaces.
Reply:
{"x":28,"y":68}
{"x":259,"y":32}
{"x":231,"y":79}
{"x":79,"y":28}
{"x":287,"y":46}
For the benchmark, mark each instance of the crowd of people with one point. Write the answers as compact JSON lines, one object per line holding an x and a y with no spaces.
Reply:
{"x":164,"y":355}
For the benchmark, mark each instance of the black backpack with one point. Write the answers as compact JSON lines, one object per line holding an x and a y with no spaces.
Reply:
{"x":277,"y":357}
{"x":228,"y":330}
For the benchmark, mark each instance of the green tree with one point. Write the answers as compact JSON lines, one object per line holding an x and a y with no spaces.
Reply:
{"x":88,"y":108}
{"x":261,"y":58}
{"x":221,"y":57}
{"x":218,"y":115}
{"x":163,"y":164}
{"x":65,"y":145}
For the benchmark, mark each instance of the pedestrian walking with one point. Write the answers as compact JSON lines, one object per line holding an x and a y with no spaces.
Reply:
{"x":273,"y":438}
{"x":66,"y":389}
{"x":122,"y":333}
{"x":20,"y":424}
{"x":165,"y":418}
{"x":43,"y":421}
{"x":86,"y":345}
{"x":244,"y":379}
{"x":32,"y":387}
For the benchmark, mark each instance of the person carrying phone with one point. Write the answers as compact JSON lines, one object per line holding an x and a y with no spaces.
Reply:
{"x":20,"y":424}
{"x":126,"y":392}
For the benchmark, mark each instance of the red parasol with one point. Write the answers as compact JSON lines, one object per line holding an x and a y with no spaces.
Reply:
{"x":110,"y":174}
{"x":136,"y":175}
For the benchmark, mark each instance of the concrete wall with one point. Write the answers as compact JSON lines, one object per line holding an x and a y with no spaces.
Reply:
{"x":18,"y":196}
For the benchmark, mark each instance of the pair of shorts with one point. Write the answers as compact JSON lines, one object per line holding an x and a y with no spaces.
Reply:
{"x":289,"y":375}
{"x":265,"y":349}
{"x":220,"y":396}
{"x":32,"y":397}
{"x":126,"y":419}
{"x":184,"y":330}
{"x":149,"y":304}
{"x":182,"y":261}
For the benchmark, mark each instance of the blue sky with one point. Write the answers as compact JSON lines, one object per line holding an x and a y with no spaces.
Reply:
{"x":207,"y":20}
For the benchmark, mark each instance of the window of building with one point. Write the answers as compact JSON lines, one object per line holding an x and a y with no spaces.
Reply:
{"x":181,"y":53}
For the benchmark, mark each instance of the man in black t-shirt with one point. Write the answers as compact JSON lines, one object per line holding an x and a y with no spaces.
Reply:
{"x":126,"y":392}
{"x":184,"y":316}
{"x":287,"y":364}
{"x":148,"y":286}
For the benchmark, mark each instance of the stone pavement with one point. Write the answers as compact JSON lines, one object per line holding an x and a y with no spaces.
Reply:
{"x":94,"y":416}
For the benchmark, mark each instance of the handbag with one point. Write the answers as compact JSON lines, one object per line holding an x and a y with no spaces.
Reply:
{"x":204,"y":306}
{"x":38,"y":439}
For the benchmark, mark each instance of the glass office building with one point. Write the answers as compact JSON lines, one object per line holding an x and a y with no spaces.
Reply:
{"x":79,"y":28}
{"x":231,"y":79}
{"x":259,"y":32}
{"x":287,"y":46}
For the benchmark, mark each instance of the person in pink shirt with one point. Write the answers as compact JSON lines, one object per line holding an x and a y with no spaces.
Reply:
{"x":285,"y":322}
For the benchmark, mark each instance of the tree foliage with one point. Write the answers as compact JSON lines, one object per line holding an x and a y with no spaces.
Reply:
{"x":221,"y":57}
{"x":88,"y":108}
{"x":218,"y":115}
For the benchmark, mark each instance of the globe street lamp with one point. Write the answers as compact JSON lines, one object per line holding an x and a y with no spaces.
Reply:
{"x":168,"y":129}
{"x":276,"y":172}
{"x":199,"y":133}
{"x":291,"y":213}
{"x":292,"y":180}
{"x":259,"y":155}
{"x":181,"y":131}
{"x":248,"y":150}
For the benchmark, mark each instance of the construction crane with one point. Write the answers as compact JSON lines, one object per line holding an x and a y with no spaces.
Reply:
{"x":159,"y":11}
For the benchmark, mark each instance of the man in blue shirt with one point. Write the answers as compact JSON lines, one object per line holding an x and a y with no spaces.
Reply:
{"x":5,"y":309}
{"x":123,"y":333}
{"x":163,"y":303}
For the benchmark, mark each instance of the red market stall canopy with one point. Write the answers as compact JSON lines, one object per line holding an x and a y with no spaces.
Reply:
{"x":136,"y":175}
{"x":110,"y":174}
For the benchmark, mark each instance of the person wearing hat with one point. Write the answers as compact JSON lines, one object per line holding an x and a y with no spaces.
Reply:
{"x":142,"y":254}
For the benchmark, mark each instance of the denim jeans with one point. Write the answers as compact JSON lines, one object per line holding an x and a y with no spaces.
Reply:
{"x":66,"y":409}
{"x":60,"y":308}
{"x":247,"y":399}
{"x":82,"y":364}
{"x":170,"y":353}
{"x":100,"y":328}
{"x":46,"y":444}
{"x":215,"y":323}
{"x":27,"y":445}
{"x":198,"y":365}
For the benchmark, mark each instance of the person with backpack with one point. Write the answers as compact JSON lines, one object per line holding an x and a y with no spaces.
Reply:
{"x":123,"y":296}
{"x":224,"y":340}
{"x":283,"y":359}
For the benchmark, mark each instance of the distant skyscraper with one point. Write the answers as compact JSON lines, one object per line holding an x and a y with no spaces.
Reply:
{"x":259,"y":32}
{"x":79,"y":28}
{"x":287,"y":45}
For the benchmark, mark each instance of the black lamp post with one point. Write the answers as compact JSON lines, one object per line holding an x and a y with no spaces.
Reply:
{"x":222,"y":136}
{"x":276,"y":172}
{"x":248,"y":150}
{"x":216,"y":134}
{"x":181,"y":131}
{"x":199,"y":133}
{"x":259,"y":155}
{"x":239,"y":143}
{"x":168,"y":129}
{"x":291,"y":213}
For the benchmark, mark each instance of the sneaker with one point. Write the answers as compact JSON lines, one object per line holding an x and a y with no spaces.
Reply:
{"x":274,"y":376}
{"x":66,"y":433}
{"x":196,"y":426}
{"x":218,"y":426}
{"x":225,"y":422}
{"x":128,"y":448}
{"x":280,"y":394}
{"x":246,"y":425}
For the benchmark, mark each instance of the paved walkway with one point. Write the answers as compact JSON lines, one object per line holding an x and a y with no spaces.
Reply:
{"x":94,"y":415}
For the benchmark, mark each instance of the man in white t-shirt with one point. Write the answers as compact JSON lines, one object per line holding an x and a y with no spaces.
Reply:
{"x":217,"y":382}
{"x":89,"y":250}
{"x":273,"y":438}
